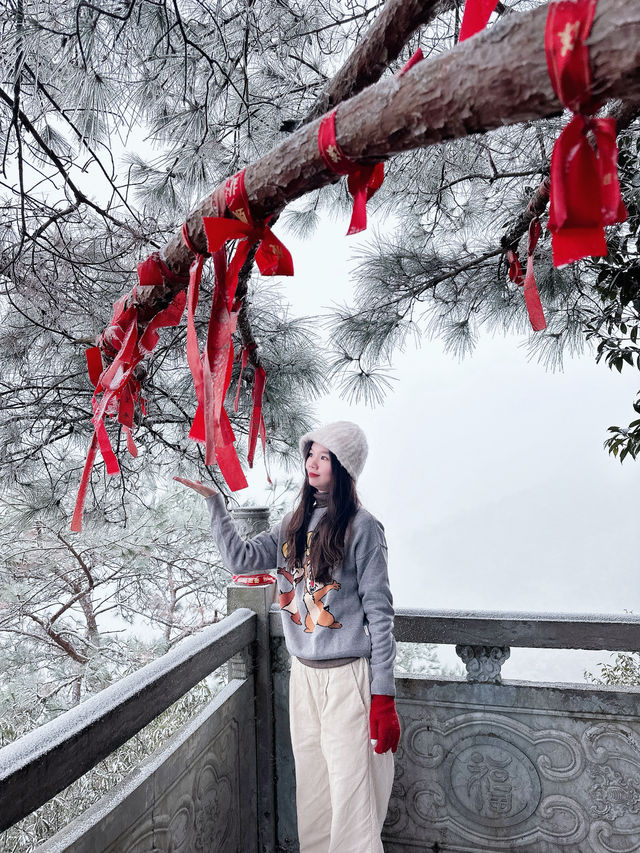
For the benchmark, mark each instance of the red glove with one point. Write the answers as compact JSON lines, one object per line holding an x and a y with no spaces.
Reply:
{"x":384,"y":724}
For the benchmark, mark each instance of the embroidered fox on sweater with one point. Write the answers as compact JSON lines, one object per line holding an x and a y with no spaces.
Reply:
{"x":317,"y":613}
{"x":364,"y":602}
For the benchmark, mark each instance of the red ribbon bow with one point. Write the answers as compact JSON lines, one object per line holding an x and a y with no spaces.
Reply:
{"x":363,"y":180}
{"x":116,"y":390}
{"x":585,"y":192}
{"x":531,"y":295}
{"x":272,"y":256}
{"x":212,"y":372}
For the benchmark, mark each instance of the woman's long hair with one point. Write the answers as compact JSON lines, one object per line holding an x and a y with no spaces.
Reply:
{"x":327,"y":543}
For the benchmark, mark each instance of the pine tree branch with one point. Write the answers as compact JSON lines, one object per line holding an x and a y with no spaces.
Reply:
{"x":430,"y":284}
{"x":59,"y":640}
{"x":82,"y":139}
{"x":79,"y":196}
{"x":382,"y":44}
{"x":497,"y":78}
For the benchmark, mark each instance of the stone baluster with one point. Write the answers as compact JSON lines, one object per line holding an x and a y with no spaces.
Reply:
{"x":483,"y":663}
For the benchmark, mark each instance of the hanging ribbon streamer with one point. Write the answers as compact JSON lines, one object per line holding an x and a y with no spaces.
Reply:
{"x":116,"y":389}
{"x":531,"y":295}
{"x":515,"y":268}
{"x":476,"y":17}
{"x":528,"y":282}
{"x":256,"y":423}
{"x":585,"y":192}
{"x":418,"y":56}
{"x":211,"y":425}
{"x":212,"y":373}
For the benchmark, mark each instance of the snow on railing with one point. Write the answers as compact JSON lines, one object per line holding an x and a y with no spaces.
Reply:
{"x":39,"y":765}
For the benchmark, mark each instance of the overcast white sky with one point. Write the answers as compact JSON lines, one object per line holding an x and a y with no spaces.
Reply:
{"x":489,"y":475}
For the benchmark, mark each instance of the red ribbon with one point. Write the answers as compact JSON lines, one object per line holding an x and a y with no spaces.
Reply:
{"x":528,"y":282}
{"x":515,"y":268}
{"x":256,"y":423}
{"x":363,"y":180}
{"x":116,"y":390}
{"x":418,"y":56}
{"x":212,"y":372}
{"x":476,"y":17}
{"x":531,"y":295}
{"x":567,"y":29}
{"x":211,"y":424}
{"x":585,"y":192}
{"x":272,"y":256}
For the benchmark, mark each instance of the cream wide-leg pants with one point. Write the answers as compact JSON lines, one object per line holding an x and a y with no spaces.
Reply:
{"x":342,"y":785}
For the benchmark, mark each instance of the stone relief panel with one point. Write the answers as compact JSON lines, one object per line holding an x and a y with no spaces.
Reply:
{"x":200,"y":810}
{"x":474,"y":776}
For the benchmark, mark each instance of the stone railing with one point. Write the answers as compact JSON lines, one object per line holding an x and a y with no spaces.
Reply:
{"x":190,"y":795}
{"x":484,"y":764}
{"x":492,"y":765}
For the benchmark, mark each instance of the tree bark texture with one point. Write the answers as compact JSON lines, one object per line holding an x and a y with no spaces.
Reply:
{"x":498,"y":77}
{"x":382,"y":44}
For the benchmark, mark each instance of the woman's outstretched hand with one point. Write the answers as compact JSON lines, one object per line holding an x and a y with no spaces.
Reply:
{"x":197,"y":486}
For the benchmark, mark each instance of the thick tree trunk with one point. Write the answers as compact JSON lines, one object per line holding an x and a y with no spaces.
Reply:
{"x":499,"y":77}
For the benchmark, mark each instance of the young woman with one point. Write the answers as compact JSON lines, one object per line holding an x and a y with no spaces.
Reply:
{"x":331,"y":560}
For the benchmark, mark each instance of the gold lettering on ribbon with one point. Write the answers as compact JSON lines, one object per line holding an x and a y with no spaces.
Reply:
{"x":333,"y":153}
{"x":231,"y":188}
{"x":568,"y":37}
{"x":242,"y":216}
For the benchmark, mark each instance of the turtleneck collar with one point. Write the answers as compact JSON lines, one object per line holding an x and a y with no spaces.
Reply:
{"x":321,"y":499}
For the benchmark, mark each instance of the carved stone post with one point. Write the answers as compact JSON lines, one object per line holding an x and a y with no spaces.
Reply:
{"x":250,"y":520}
{"x":259,"y":600}
{"x":287,"y":823}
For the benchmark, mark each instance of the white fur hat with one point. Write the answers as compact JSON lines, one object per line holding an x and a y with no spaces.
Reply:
{"x":345,"y":440}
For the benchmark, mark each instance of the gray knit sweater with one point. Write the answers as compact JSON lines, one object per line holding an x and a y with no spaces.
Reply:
{"x":352,"y":616}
